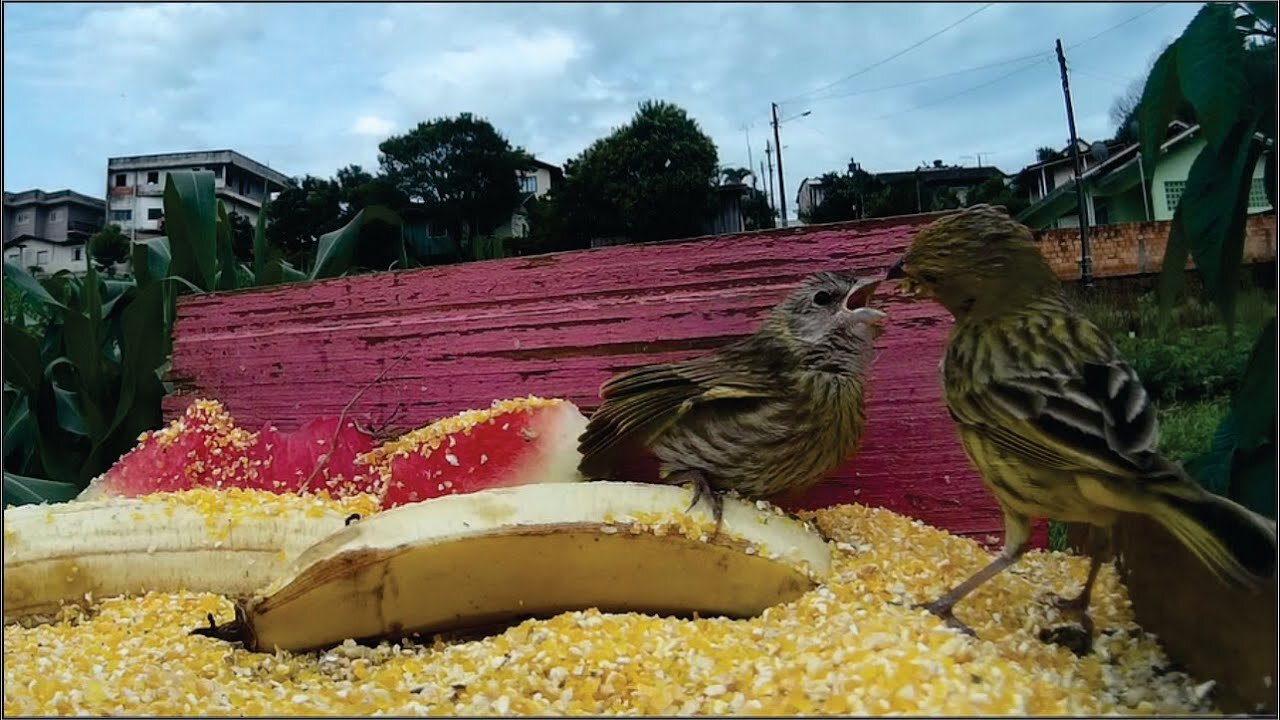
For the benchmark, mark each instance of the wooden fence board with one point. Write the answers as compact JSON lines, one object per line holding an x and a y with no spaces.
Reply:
{"x":557,"y":326}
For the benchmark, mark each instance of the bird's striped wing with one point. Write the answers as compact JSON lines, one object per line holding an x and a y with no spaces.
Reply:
{"x":1098,"y":418}
{"x":640,"y":404}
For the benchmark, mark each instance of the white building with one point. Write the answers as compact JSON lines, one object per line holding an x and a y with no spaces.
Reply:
{"x":135,"y":186}
{"x":47,"y":232}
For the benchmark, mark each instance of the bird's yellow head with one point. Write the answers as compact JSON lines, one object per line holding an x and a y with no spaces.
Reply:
{"x":977,"y":258}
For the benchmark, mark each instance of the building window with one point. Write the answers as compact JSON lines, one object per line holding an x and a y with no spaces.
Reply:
{"x":153,"y":177}
{"x":42,"y":257}
{"x":529,"y":183}
{"x":23,"y":216}
{"x":1173,"y":193}
{"x":121,"y":215}
{"x":1258,"y":195}
{"x":121,"y":179}
{"x":79,"y":253}
{"x":155,"y":213}
{"x":55,"y":216}
{"x":14,"y":255}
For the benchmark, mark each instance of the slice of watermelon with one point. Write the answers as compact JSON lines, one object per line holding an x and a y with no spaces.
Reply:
{"x":205,"y":448}
{"x":296,"y":461}
{"x":514,"y":442}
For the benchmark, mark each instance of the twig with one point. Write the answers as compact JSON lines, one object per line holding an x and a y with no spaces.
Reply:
{"x":333,"y":445}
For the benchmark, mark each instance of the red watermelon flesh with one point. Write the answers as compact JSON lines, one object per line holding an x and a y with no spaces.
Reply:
{"x":203,"y":447}
{"x":289,"y":460}
{"x":522,"y":441}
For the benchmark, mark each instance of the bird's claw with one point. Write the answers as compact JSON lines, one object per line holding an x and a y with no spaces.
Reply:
{"x":944,"y":612}
{"x":702,"y":488}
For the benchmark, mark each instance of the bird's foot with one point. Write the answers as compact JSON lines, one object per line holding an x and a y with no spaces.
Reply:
{"x":944,"y":611}
{"x":1076,"y":637}
{"x":1073,"y":606}
{"x":703,"y":488}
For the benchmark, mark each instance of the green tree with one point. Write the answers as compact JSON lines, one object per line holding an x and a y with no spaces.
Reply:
{"x":994,"y":191}
{"x":734,"y":176}
{"x":757,"y":214}
{"x":241,"y":236}
{"x":300,"y":214}
{"x":648,"y":180}
{"x":461,"y":169}
{"x":109,"y":246}
{"x":846,"y":196}
{"x":1224,"y":65}
{"x":1045,"y":154}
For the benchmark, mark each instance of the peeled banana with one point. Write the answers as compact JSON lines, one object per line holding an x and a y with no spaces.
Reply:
{"x":227,"y":542}
{"x":500,"y":555}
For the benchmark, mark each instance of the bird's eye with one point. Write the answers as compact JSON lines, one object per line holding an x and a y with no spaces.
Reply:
{"x":822,"y":297}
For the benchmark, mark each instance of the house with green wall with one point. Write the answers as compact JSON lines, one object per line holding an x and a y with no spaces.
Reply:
{"x":1120,"y":186}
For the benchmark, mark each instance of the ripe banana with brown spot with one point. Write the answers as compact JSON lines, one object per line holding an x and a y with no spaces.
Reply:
{"x":496,"y":556}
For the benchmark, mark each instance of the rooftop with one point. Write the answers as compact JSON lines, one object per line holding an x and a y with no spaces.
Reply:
{"x":56,"y":197}
{"x":202,"y":157}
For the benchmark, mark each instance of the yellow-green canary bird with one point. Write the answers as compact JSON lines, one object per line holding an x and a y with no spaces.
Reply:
{"x":768,"y":414}
{"x":1056,"y":422}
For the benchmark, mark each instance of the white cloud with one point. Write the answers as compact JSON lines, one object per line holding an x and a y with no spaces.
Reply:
{"x":372,"y":125}
{"x":501,"y":65}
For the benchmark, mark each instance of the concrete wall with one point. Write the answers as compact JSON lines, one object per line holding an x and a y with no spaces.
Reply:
{"x":50,"y":258}
{"x":1137,"y":248}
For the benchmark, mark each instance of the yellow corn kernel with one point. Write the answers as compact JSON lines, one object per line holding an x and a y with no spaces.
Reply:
{"x":852,"y":646}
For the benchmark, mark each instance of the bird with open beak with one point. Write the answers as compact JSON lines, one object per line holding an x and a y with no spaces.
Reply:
{"x":1056,"y":422}
{"x":769,"y":414}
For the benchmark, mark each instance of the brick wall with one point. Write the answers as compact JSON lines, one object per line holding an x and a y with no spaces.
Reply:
{"x":1138,"y":248}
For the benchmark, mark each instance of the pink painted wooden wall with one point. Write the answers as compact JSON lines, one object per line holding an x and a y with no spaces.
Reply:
{"x":558,"y":325}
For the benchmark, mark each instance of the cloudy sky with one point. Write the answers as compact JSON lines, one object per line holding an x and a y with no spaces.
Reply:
{"x":308,"y":88}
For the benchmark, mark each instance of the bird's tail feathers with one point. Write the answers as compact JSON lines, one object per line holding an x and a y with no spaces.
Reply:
{"x":1237,"y":544}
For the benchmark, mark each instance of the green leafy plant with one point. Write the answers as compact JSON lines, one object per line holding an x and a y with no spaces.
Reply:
{"x":1224,"y":65}
{"x":84,"y":358}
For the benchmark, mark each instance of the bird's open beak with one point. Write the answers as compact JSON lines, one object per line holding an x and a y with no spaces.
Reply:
{"x":860,"y":295}
{"x":895,"y":271}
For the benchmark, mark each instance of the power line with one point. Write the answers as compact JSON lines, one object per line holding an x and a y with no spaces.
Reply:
{"x":1099,"y":76}
{"x":898,"y":54}
{"x":1117,"y":26}
{"x":963,"y":92}
{"x":931,"y":78}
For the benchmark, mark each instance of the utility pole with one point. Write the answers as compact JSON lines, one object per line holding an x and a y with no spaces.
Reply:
{"x":1086,"y":269}
{"x":750,"y":163}
{"x":782,"y":186}
{"x":768,"y":151}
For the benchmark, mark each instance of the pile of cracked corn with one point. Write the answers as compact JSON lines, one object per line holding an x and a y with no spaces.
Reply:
{"x":852,"y":646}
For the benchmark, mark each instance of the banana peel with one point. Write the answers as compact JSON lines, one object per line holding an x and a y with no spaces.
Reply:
{"x":498,"y":556}
{"x":70,"y":553}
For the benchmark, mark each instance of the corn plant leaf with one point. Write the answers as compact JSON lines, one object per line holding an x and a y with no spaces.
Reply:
{"x":22,"y":490}
{"x":190,"y":215}
{"x":20,"y":433}
{"x":69,"y":417}
{"x":29,"y":285}
{"x":1211,"y":215}
{"x":337,"y":249}
{"x":1254,"y":406}
{"x":1210,"y":71}
{"x":151,"y":260}
{"x":1265,"y":11}
{"x":1160,"y":98}
{"x":22,"y":366}
{"x":1253,"y":479}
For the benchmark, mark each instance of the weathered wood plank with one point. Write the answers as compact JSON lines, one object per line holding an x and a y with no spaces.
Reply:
{"x":559,"y":325}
